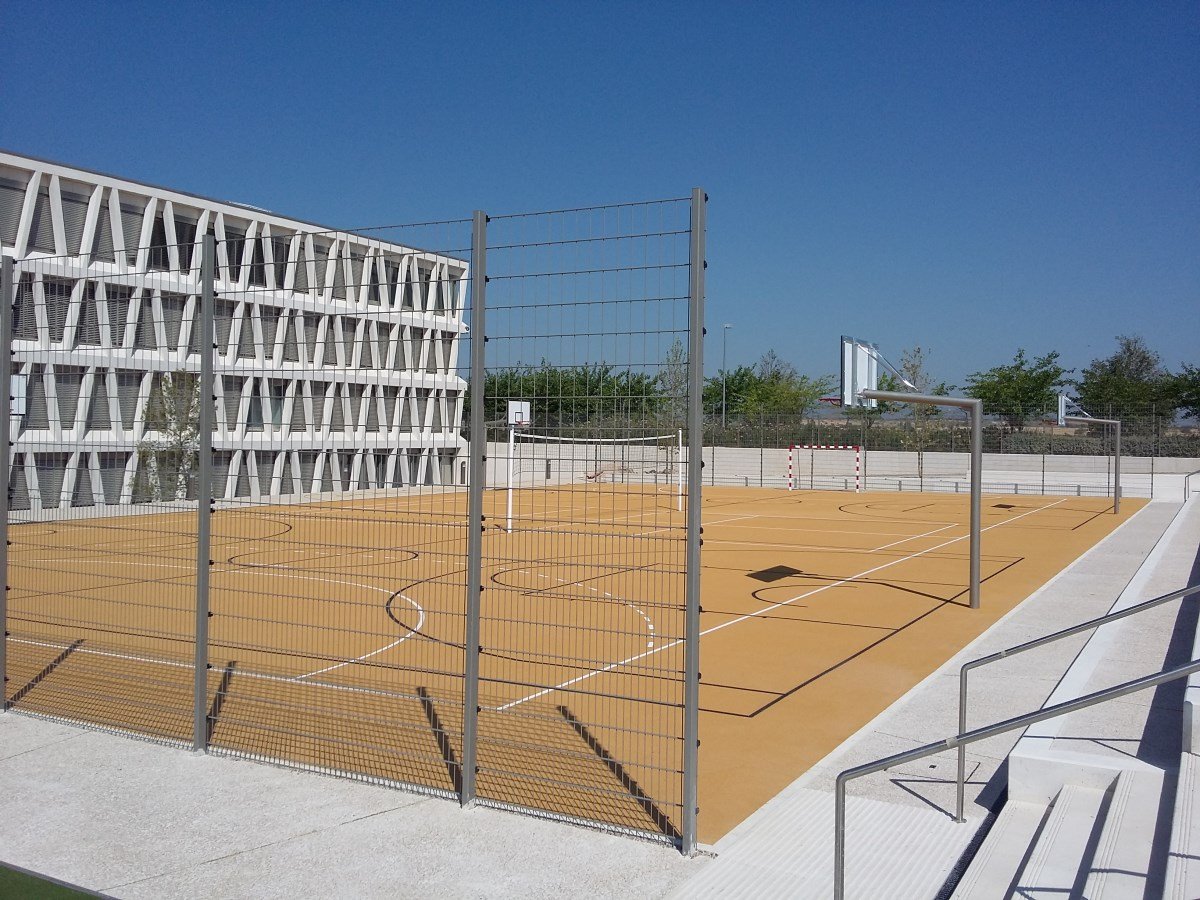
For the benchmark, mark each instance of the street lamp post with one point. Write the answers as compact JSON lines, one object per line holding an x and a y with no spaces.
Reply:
{"x":724,"y":335}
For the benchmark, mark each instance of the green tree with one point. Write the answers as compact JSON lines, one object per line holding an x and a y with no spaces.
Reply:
{"x":169,"y":451}
{"x":672,"y":383}
{"x":1187,"y":391}
{"x":573,"y":395}
{"x":914,"y":367}
{"x":1128,"y":382}
{"x":779,"y":390}
{"x":1020,"y":389}
{"x":739,"y":383}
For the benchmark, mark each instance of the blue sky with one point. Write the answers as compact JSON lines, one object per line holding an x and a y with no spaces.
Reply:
{"x":973,"y":178}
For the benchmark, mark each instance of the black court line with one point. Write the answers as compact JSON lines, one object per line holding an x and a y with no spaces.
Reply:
{"x":937,"y":607}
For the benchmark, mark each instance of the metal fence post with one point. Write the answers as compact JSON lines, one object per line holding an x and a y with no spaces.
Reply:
{"x":976,"y":412}
{"x":1117,"y":467}
{"x":691,"y":689}
{"x":204,"y":498}
{"x":6,"y":320}
{"x":471,"y":648}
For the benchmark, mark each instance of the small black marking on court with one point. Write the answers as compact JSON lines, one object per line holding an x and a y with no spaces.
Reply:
{"x":775,"y":573}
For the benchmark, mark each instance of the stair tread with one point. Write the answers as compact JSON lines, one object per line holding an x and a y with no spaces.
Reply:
{"x":1062,"y":847}
{"x":1003,"y":850}
{"x":1183,"y":864}
{"x":1121,"y":866}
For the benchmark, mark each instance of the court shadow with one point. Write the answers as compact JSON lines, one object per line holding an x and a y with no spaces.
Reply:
{"x":1162,"y":736}
{"x":45,"y":673}
{"x":453,"y":767}
{"x":218,"y":700}
{"x":660,"y":819}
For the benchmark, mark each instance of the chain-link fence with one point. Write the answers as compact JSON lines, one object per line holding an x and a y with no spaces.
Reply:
{"x":1144,"y":432}
{"x":922,"y":452}
{"x":264,"y":498}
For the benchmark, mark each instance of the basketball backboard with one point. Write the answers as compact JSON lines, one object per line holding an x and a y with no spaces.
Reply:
{"x":519,"y":413}
{"x":860,"y":371}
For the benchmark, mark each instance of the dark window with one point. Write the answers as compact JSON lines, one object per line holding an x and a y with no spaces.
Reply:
{"x":185,"y":238}
{"x":279,"y":250}
{"x":258,"y":265}
{"x":235,"y":243}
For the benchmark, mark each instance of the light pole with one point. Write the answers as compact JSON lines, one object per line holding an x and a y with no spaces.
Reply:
{"x":724,"y":335}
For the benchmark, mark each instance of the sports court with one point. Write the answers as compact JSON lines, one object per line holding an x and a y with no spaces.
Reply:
{"x":337,"y":631}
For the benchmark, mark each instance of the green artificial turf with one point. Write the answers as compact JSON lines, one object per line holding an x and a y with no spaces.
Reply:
{"x":19,"y":883}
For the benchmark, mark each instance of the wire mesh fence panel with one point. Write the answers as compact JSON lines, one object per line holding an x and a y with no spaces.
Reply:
{"x":582,"y":625}
{"x":248,"y":510}
{"x":338,"y":478}
{"x":102,"y":491}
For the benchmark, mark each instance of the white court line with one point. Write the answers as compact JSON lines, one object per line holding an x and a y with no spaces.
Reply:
{"x":348,"y":688}
{"x":641,"y":612}
{"x":825,"y":549}
{"x":763,"y":611}
{"x":257,"y":570}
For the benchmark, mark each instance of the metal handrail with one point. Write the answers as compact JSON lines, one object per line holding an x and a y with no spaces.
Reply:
{"x":970,"y":737}
{"x":1030,"y":645}
{"x":1187,"y":480}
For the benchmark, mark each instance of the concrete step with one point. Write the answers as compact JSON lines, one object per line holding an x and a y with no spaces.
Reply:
{"x":1120,"y":868}
{"x":1183,"y":864}
{"x":1065,"y":846}
{"x":1002,"y":855}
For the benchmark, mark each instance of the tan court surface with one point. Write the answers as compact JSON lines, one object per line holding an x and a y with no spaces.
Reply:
{"x":337,"y":632}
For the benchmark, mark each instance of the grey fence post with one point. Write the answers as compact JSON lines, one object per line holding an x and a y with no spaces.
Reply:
{"x":695,"y":414}
{"x":204,"y":498}
{"x":6,"y":321}
{"x":471,"y":648}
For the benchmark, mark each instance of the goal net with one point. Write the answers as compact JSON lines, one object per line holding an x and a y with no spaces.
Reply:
{"x":544,"y":460}
{"x":540,"y":458}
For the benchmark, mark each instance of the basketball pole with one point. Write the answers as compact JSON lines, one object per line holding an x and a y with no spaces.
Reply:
{"x":975,"y":409}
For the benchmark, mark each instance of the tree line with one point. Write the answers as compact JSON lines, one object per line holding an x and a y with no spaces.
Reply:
{"x":1133,"y":377}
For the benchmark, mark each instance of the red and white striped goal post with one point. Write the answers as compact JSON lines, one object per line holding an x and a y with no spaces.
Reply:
{"x":792,"y":482}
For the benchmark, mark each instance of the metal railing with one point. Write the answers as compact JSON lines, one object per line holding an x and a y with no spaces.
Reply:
{"x":970,"y":737}
{"x":1187,"y":483}
{"x":1030,"y":645}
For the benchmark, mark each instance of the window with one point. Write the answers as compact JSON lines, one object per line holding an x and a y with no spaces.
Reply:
{"x":159,"y":259}
{"x":185,"y":239}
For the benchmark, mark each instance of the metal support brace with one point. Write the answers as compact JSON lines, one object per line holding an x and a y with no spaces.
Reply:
{"x":695,"y":438}
{"x":6,"y":326}
{"x":1116,"y":425}
{"x":470,"y":728}
{"x":204,"y":498}
{"x":975,"y":409}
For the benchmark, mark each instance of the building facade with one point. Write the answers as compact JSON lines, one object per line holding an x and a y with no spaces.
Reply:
{"x":336,"y":360}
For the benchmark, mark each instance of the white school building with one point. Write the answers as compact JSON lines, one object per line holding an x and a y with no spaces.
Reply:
{"x":336,"y":361}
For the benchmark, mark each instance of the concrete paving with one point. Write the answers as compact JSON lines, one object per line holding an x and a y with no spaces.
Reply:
{"x":133,"y":819}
